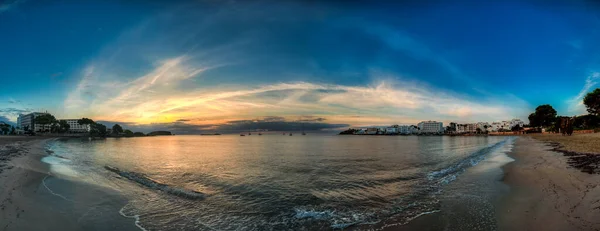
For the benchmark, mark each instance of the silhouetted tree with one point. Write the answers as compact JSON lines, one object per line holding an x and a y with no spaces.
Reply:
{"x":45,"y":119}
{"x":5,"y":128}
{"x":128,"y":133}
{"x":516,"y":128}
{"x":85,"y":121}
{"x":97,"y":130}
{"x":117,"y":129}
{"x":544,"y":116}
{"x":64,"y":126}
{"x":592,"y":101}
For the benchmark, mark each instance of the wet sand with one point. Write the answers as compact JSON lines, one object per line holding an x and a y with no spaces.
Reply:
{"x":546,"y":192}
{"x":32,"y":199}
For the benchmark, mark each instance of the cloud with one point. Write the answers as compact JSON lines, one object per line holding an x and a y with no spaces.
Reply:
{"x":576,"y":103}
{"x":157,"y":98}
{"x":228,"y":127}
{"x":311,"y":119}
{"x":12,"y":114}
{"x":6,"y":120}
{"x":399,"y":40}
{"x":9,"y":4}
{"x":188,"y":78}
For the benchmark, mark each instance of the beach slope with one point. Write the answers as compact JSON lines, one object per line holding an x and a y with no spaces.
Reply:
{"x":31,"y":198}
{"x":546,"y":192}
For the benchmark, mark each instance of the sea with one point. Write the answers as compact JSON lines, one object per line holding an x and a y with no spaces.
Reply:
{"x":281,"y":182}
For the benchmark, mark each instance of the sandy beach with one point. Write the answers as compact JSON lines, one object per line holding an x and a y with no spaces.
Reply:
{"x":544,"y":191}
{"x":547,"y":193}
{"x":32,"y":199}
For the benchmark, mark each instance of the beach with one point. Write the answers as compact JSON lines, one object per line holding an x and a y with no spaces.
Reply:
{"x":539,"y":190}
{"x":33,"y":199}
{"x":546,"y":192}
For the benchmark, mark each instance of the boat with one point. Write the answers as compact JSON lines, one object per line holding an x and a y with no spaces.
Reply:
{"x":303,"y":133}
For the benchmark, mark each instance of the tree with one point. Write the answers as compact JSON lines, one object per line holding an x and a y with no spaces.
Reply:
{"x":85,"y":121}
{"x":128,"y":133}
{"x":592,"y":102}
{"x":117,"y":129}
{"x":13,"y":130}
{"x":64,"y":126}
{"x":54,"y":128}
{"x":45,"y":119}
{"x":544,"y":116}
{"x":516,"y":128}
{"x":97,"y":130}
{"x":586,"y":121}
{"x":5,"y":128}
{"x":139,"y":134}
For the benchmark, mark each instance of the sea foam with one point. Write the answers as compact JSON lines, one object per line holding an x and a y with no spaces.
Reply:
{"x":152,"y":184}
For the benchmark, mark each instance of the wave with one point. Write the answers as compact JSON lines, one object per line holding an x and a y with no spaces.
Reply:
{"x":152,"y":184}
{"x":135,"y":217}
{"x":422,"y":201}
{"x":336,"y":219}
{"x":450,"y":173}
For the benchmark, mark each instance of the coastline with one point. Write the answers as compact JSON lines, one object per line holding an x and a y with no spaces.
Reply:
{"x":546,"y":193}
{"x":542,"y":191}
{"x":34,"y":199}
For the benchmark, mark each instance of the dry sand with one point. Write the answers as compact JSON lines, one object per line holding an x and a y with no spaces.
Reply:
{"x":583,"y":143}
{"x":547,"y":193}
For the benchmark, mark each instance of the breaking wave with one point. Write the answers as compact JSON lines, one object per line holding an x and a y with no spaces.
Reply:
{"x":450,"y":173}
{"x":422,"y":201}
{"x":152,"y":184}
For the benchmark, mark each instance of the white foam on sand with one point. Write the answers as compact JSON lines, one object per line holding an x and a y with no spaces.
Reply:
{"x":60,"y":166}
{"x":135,"y":217}
{"x":52,"y":192}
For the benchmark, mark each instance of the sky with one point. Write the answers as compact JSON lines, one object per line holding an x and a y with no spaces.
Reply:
{"x":195,"y":66}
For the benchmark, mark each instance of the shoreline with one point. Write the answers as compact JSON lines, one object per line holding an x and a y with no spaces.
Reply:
{"x":546,"y":193}
{"x":30,"y":192}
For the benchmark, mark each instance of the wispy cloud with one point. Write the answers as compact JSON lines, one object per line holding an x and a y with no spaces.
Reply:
{"x":157,"y":97}
{"x":576,"y":103}
{"x":11,"y":113}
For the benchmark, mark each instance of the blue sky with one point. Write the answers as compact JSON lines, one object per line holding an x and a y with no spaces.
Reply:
{"x":209,"y":63}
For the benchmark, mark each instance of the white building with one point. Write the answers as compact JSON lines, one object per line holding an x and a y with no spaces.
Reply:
{"x":391,"y":130}
{"x":429,"y":127}
{"x":405,"y":129}
{"x":27,"y":122}
{"x":371,"y":131}
{"x":76,"y":127}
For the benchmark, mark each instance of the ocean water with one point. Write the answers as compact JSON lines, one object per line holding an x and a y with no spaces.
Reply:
{"x":275,"y":182}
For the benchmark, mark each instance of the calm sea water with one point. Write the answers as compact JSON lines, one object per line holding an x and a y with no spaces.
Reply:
{"x":275,"y":182}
